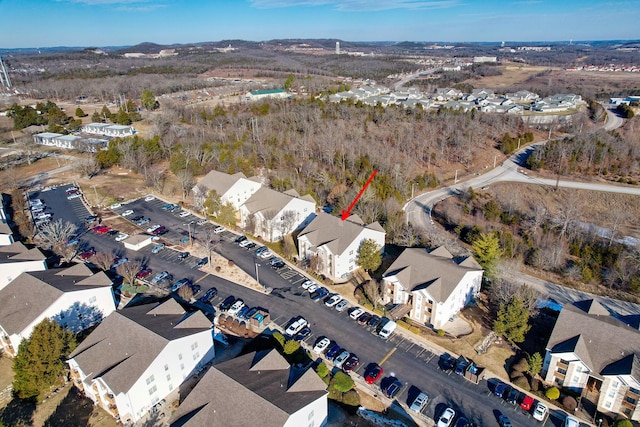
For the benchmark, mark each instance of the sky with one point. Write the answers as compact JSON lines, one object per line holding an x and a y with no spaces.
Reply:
{"x":98,"y":23}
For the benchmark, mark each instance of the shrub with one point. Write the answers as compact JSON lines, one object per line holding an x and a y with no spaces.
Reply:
{"x":441,"y":332}
{"x":351,"y":398}
{"x":218,"y":269}
{"x":230,"y":263}
{"x":569,"y":403}
{"x":322,"y":370}
{"x":515,"y":374}
{"x":341,"y":382}
{"x":623,"y":423}
{"x":552,"y":393}
{"x":522,"y":382}
{"x":291,"y":346}
{"x":521,"y":365}
{"x":279,"y":337}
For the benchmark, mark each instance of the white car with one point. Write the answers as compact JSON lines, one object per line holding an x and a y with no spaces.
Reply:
{"x":265,"y":254}
{"x":341,"y":358}
{"x":306,"y":284}
{"x":219,"y":229}
{"x":322,"y":345}
{"x":74,"y":196}
{"x":127,"y":212}
{"x":115,"y":206}
{"x":296,"y":326}
{"x":312,"y":288}
{"x":153,"y":228}
{"x":540,"y":412}
{"x":331,"y":302}
{"x":236,"y":307}
{"x":120,"y":237}
{"x":202,"y":222}
{"x":149,"y":198}
{"x":244,"y":243}
{"x":342,"y":305}
{"x":184,"y":214}
{"x":446,"y":418}
{"x":356,"y":313}
{"x":571,"y":421}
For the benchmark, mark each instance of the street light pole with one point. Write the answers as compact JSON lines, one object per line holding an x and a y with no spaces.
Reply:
{"x":257,"y":276}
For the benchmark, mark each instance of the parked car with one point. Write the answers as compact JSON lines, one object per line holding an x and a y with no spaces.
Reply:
{"x":446,"y":362}
{"x":73,"y":240}
{"x":250,"y":246}
{"x":500,"y":389}
{"x":351,"y":363}
{"x":235,"y":307}
{"x":571,"y":421}
{"x":180,"y":283}
{"x":333,"y":350}
{"x":145,"y":272}
{"x":74,"y":195}
{"x":153,"y":228}
{"x":419,"y":402}
{"x":227,"y":303}
{"x":184,"y":214}
{"x":342,"y":305}
{"x":115,"y":206}
{"x":158,"y":230}
{"x":137,"y":218}
{"x":374,"y":321}
{"x":277,"y":264}
{"x":202,"y":222}
{"x":120,"y":237}
{"x":240,"y":239}
{"x":266,"y":254}
{"x":540,"y":412}
{"x":143,"y":221}
{"x":319,"y":293}
{"x":260,"y":250}
{"x":527,"y":403}
{"x":202,"y":262}
{"x":306,"y":284}
{"x":127,"y":212}
{"x":503,"y":420}
{"x":209,"y":295}
{"x":118,"y":261}
{"x":87,"y":254}
{"x":244,"y":243}
{"x":219,"y":229}
{"x":99,"y":228}
{"x":321,"y":345}
{"x":312,"y":288}
{"x":392,"y":389}
{"x":341,"y":358}
{"x":364,"y":318}
{"x":166,"y":206}
{"x":183,"y":255}
{"x":159,"y":277}
{"x":296,"y":325}
{"x":333,"y":300}
{"x":446,"y":418}
{"x":157,"y":248}
{"x":355,"y":313}
{"x":374,"y":372}
{"x":302,"y":334}
{"x":113,"y":232}
{"x":512,"y":396}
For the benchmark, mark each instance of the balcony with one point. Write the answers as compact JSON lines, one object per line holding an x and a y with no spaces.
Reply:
{"x":559,"y":375}
{"x":632,"y":394}
{"x":628,"y":405}
{"x":109,"y":397}
{"x":562,"y":365}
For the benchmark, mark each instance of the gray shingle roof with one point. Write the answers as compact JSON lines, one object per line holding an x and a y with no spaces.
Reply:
{"x":266,"y":199}
{"x":123,"y":346}
{"x":31,"y":293}
{"x":437,"y":271}
{"x":19,"y":252}
{"x":336,"y":234}
{"x":250,"y":390}
{"x":598,"y":339}
{"x":220,"y":181}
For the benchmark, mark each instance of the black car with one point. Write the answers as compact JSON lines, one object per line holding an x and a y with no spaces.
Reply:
{"x":182,"y":255}
{"x":304,"y":333}
{"x":392,"y":389}
{"x":195,"y":289}
{"x":250,"y":246}
{"x":446,"y":362}
{"x":512,"y":396}
{"x":374,"y":321}
{"x":240,"y":239}
{"x":209,"y":295}
{"x":351,"y":363}
{"x":137,"y":218}
{"x":202,"y":262}
{"x":113,"y":232}
{"x":277,"y":264}
{"x":227,"y":303}
{"x":364,"y":318}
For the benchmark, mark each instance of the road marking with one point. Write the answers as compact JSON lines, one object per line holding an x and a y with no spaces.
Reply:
{"x":197,"y":281}
{"x":384,"y":359}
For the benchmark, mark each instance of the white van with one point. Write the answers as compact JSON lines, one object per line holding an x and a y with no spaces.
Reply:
{"x":387,"y":329}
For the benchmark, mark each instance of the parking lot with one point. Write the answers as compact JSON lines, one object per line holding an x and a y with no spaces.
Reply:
{"x":401,"y":357}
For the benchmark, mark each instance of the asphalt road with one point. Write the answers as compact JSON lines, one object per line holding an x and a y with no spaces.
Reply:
{"x":412,"y":363}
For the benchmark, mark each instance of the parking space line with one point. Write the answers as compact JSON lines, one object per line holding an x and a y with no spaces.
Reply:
{"x":201,"y":278}
{"x":387,"y":356}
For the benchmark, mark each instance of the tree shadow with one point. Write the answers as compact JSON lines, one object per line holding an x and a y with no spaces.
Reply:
{"x":74,"y":410}
{"x":18,"y":412}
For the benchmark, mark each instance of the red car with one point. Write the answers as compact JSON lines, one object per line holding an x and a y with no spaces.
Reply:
{"x":374,"y":372}
{"x":158,"y":230}
{"x":101,"y":229}
{"x":87,"y":254}
{"x":143,"y":273}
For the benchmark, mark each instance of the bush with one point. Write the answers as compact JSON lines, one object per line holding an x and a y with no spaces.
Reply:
{"x":218,"y":269}
{"x":521,"y":365}
{"x":623,"y":423}
{"x":341,"y":382}
{"x":552,"y":393}
{"x":351,"y":398}
{"x":569,"y":403}
{"x":230,"y":263}
{"x":515,"y":374}
{"x":322,"y":370}
{"x":441,"y":332}
{"x":522,"y":382}
{"x":279,"y":337}
{"x":291,"y":346}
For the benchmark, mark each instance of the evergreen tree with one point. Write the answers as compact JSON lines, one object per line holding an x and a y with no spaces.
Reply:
{"x":535,"y":364}
{"x":227,"y":215}
{"x":513,"y":320}
{"x":486,"y":249}
{"x":148,"y":100}
{"x":40,"y":359}
{"x":80,"y":112}
{"x":369,"y":255}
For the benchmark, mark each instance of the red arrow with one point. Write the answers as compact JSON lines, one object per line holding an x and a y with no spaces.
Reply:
{"x":347,"y":213}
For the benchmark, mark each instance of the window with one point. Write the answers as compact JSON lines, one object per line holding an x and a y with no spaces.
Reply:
{"x":166,"y":367}
{"x":196,"y":355}
{"x":150,"y":380}
{"x":615,"y":384}
{"x":92,"y":299}
{"x":576,"y":378}
{"x":194,"y":345}
{"x":350,"y":253}
{"x":182,"y":366}
{"x":607,"y":404}
{"x":612,"y":393}
{"x":310,"y":415}
{"x":168,"y":377}
{"x":631,"y":400}
{"x":153,"y":390}
{"x":180,"y":356}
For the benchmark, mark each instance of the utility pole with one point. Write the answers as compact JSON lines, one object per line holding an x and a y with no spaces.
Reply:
{"x":455,"y":180}
{"x":255,"y":262}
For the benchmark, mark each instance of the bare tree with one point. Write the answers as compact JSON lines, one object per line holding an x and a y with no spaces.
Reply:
{"x":89,"y":167}
{"x":56,"y":233}
{"x":288,"y":221}
{"x":185,"y":292}
{"x":210,"y":241}
{"x":503,"y":291}
{"x":315,"y":263}
{"x":154,"y":177}
{"x":569,"y":209}
{"x":186,"y":181}
{"x":372,"y":289}
{"x":129,"y":270}
{"x":103,"y":260}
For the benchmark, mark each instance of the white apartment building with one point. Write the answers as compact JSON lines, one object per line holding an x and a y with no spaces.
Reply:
{"x":16,"y":258}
